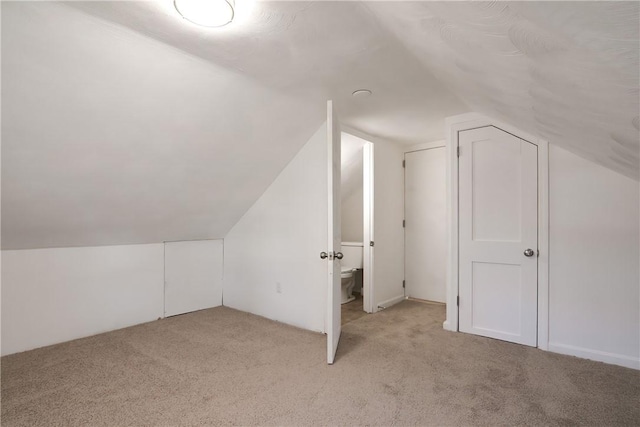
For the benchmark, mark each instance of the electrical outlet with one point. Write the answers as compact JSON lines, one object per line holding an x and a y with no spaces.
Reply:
{"x":278,"y":287}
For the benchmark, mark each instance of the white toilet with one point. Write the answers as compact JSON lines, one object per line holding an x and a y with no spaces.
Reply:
{"x":350,"y":263}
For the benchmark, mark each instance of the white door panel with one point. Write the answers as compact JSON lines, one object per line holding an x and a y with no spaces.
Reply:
{"x":496,"y":180}
{"x":498,"y":221}
{"x":495,"y":284}
{"x":425,"y":224}
{"x":334,"y":234}
{"x":193,"y":276}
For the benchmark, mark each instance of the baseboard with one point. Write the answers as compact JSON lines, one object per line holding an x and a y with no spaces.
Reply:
{"x":388,"y":303}
{"x":600,"y":356}
{"x":446,"y":325}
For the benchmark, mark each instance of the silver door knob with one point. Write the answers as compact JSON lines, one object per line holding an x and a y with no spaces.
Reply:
{"x":528,"y":252}
{"x":323,"y":255}
{"x":339,"y":255}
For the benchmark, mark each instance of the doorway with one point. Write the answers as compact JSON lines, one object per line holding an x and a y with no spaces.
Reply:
{"x":498,"y":228}
{"x":356,"y":226}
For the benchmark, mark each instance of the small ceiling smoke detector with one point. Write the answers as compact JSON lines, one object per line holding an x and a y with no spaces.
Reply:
{"x":361,"y":93}
{"x":207,"y":13}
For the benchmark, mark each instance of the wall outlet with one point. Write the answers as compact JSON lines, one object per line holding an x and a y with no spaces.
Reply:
{"x":279,"y":287}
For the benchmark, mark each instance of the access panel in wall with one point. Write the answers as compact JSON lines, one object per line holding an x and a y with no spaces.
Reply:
{"x":193,"y":276}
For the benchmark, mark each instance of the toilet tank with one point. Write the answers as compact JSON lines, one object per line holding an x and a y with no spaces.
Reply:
{"x":352,"y":252}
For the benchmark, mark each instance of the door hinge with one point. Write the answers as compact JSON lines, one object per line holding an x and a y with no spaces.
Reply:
{"x":371,"y":243}
{"x":458,"y":300}
{"x":403,"y":163}
{"x":403,"y":284}
{"x":403,"y":223}
{"x":458,"y":151}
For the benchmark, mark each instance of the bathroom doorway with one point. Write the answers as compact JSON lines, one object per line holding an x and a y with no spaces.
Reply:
{"x":356,"y":227}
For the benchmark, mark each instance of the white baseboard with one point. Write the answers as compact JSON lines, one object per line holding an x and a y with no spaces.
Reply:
{"x":446,"y":325}
{"x":600,"y":356}
{"x":388,"y":303}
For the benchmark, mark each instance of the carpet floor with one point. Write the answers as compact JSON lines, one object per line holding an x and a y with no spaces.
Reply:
{"x":352,"y":310}
{"x":225,"y":367}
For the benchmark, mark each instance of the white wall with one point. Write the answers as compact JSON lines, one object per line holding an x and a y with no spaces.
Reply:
{"x":60,"y":294}
{"x":351,"y":181}
{"x":388,"y":215}
{"x":594,"y":276}
{"x":352,"y":216}
{"x":272,"y":264}
{"x":55,"y":295}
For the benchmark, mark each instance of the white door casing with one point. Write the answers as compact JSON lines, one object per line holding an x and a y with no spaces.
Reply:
{"x":498,"y":222}
{"x":334,"y":234}
{"x":425,"y":227}
{"x":193,"y":276}
{"x":368,"y":236}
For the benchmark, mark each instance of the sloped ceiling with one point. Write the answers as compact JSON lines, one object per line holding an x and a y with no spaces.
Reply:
{"x":565,"y":71}
{"x":123,"y":124}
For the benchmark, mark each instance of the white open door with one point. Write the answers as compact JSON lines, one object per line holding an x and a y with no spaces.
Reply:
{"x":333,"y":255}
{"x":498,"y":235}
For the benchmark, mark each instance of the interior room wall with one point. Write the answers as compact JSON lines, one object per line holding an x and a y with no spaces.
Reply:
{"x":272,"y":266}
{"x":59,"y":294}
{"x":594,"y":275}
{"x":351,"y":190}
{"x":352,"y":216}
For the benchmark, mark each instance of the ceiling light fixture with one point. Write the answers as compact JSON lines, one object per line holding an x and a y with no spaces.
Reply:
{"x":207,"y":13}
{"x":361,"y":93}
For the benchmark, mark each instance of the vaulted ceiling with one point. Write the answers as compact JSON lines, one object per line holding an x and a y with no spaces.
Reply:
{"x":121,"y":123}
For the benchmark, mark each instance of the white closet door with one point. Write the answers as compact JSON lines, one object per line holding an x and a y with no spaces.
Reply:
{"x":425,"y":224}
{"x":193,"y":276}
{"x":498,"y":232}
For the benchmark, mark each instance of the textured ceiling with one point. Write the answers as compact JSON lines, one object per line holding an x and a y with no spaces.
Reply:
{"x":565,"y":71}
{"x":312,"y":50}
{"x":123,"y":124}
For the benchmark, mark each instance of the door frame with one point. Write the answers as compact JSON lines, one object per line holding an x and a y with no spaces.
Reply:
{"x":368,"y":223}
{"x":367,"y":226}
{"x":454,"y":125}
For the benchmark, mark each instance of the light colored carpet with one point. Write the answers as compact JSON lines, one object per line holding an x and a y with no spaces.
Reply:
{"x":396,"y":367}
{"x":353,"y":310}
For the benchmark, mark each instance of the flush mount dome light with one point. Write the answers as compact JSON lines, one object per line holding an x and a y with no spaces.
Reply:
{"x":361,"y":93}
{"x":207,"y":13}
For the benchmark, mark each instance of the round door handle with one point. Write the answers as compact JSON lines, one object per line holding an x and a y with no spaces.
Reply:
{"x":528,"y":252}
{"x":339,"y":255}
{"x":323,"y":255}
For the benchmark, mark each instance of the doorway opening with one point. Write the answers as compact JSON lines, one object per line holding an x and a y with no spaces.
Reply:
{"x":356,"y":195}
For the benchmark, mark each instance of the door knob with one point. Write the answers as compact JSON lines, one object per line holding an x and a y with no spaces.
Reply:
{"x":528,"y":252}
{"x":339,"y":255}
{"x":323,"y":255}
